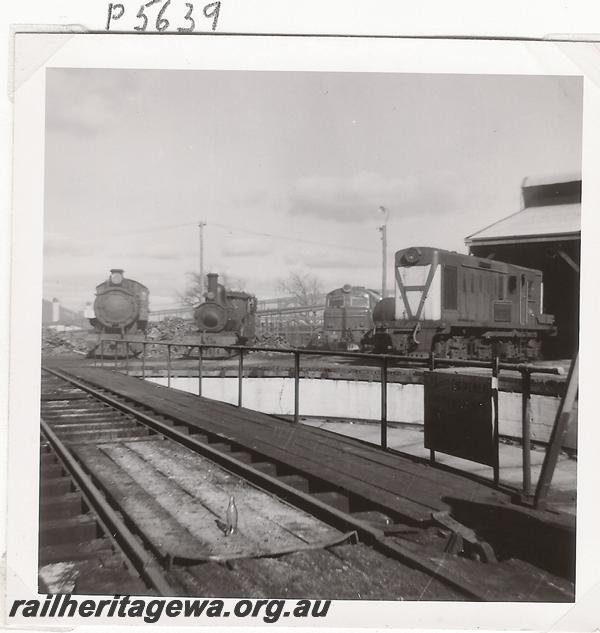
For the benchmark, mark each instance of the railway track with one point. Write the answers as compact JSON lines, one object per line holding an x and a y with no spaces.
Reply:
{"x":78,"y":551}
{"x":77,"y":417}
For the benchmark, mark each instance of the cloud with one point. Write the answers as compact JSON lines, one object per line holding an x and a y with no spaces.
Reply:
{"x":90,"y":103}
{"x":253,"y":198}
{"x":116,"y":247}
{"x":64,"y":246}
{"x":158,"y":250}
{"x":353,"y":199}
{"x":358,"y":198}
{"x":321,"y":259}
{"x":246,"y":247}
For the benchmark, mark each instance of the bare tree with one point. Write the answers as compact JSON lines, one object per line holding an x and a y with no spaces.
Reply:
{"x":192,"y":294}
{"x":303,"y":287}
{"x":305,"y":291}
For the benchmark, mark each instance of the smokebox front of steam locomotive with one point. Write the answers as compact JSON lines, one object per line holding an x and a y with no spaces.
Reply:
{"x":210,"y":317}
{"x":116,"y":308}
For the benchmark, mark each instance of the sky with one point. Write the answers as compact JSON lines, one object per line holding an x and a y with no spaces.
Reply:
{"x":287,"y":169}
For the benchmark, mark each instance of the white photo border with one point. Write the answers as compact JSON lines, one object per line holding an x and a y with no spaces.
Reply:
{"x":35,"y":52}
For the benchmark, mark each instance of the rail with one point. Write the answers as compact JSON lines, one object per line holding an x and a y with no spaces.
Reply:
{"x":430,"y":362}
{"x":146,"y":565}
{"x":368,"y":532}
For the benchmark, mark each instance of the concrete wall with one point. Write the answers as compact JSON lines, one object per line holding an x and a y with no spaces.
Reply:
{"x":361,"y":400}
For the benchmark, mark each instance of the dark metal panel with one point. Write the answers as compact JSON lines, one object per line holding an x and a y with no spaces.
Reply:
{"x":450,"y":287}
{"x":502,"y":311}
{"x":458,"y":416}
{"x":552,"y":193}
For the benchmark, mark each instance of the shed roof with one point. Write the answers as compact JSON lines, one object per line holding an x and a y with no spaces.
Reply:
{"x":535,"y":180}
{"x":560,"y":221}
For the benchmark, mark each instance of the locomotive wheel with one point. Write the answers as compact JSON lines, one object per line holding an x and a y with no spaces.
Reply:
{"x":484,"y":349}
{"x":462,"y":347}
{"x":439,"y":347}
{"x":109,"y":350}
{"x":380,"y":343}
{"x":457,"y":347}
{"x":509,"y":349}
{"x":533,"y":349}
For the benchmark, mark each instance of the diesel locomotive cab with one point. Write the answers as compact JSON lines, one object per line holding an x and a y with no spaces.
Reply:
{"x":347,"y":316}
{"x":459,"y":306}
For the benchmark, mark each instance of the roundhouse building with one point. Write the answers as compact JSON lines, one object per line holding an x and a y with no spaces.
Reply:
{"x":544,"y":234}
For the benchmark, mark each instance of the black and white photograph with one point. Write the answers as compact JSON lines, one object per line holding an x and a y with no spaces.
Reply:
{"x":307,"y":315}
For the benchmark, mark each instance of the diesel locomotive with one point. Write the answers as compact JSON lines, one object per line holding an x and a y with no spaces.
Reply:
{"x":120,"y":311}
{"x":226,"y":317}
{"x":347,"y":317}
{"x":461,"y":307}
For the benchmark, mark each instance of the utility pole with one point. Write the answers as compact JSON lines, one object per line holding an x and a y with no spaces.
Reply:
{"x":383,"y":230}
{"x":201,"y":226}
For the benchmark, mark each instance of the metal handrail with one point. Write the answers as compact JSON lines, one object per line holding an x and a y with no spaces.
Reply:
{"x":383,"y":360}
{"x":426,"y":360}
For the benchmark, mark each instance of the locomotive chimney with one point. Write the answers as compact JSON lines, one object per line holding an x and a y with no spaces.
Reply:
{"x":116,"y":276}
{"x":211,"y":284}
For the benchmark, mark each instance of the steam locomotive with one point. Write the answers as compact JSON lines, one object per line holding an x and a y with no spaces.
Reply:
{"x":459,"y":306}
{"x":226,"y":317}
{"x":120,"y":311}
{"x":347,"y":317}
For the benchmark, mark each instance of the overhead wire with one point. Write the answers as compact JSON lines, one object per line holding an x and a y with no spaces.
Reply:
{"x":288,"y":238}
{"x":227,"y":227}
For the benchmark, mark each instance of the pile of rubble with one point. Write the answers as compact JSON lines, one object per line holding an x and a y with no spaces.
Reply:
{"x":272,"y":340}
{"x":60,"y":343}
{"x":171,"y":329}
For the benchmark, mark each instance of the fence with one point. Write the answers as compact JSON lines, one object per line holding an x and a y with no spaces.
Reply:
{"x":383,"y":360}
{"x":181,"y":312}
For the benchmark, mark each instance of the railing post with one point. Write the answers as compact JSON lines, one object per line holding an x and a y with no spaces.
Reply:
{"x":102,"y":352}
{"x":200,"y":349}
{"x":384,"y":378}
{"x":168,"y":364}
{"x":144,"y":360}
{"x":559,"y":428}
{"x":495,"y":386}
{"x":127,"y":358}
{"x":296,"y":386}
{"x":431,"y":368}
{"x":116,"y":354}
{"x":526,"y":430}
{"x":240,"y":376}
